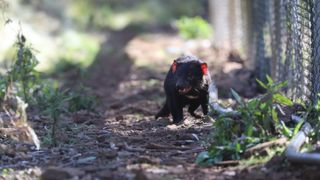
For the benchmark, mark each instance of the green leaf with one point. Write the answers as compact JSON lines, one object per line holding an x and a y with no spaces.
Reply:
{"x":249,"y":130}
{"x":237,"y":97}
{"x":274,"y":115}
{"x":253,"y":103}
{"x":282,"y":99}
{"x":262,"y":84}
{"x":238,"y":147}
{"x":263,"y":106}
{"x":281,"y":85}
{"x":270,"y":81}
{"x":297,"y":127}
{"x":285,"y":130}
{"x":301,"y":102}
{"x":202,"y":157}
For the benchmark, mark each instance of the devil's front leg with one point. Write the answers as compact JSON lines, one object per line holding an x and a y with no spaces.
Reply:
{"x":176,"y":109}
{"x":204,"y":104}
{"x":192,"y":107}
{"x":164,"y":112}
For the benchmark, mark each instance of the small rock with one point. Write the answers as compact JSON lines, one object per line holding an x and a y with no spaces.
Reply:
{"x":172,"y":127}
{"x":101,"y":138}
{"x":140,"y":175}
{"x":148,"y":160}
{"x":86,"y":160}
{"x":3,"y":149}
{"x":229,"y":173}
{"x":59,"y":173}
{"x":119,"y":118}
{"x":188,"y":137}
{"x":34,"y":171}
{"x":87,"y":177}
{"x":107,"y":154}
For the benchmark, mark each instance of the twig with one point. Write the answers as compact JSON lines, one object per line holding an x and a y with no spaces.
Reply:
{"x":11,"y":166}
{"x":159,"y":146}
{"x":128,"y":148}
{"x":228,"y":163}
{"x":190,"y":151}
{"x":264,"y":145}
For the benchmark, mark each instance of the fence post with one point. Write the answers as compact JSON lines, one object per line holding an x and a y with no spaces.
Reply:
{"x":219,"y":20}
{"x":276,"y":39}
{"x":225,"y":16}
{"x":261,"y":35}
{"x":247,"y":26}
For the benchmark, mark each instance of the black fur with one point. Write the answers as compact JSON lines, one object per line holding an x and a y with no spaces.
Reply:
{"x":187,"y":86}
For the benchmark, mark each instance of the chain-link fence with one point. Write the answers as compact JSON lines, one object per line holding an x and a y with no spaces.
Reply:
{"x":284,"y":38}
{"x":281,"y":38}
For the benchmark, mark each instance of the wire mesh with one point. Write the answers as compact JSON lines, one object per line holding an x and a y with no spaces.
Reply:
{"x":315,"y":63}
{"x":286,"y":44}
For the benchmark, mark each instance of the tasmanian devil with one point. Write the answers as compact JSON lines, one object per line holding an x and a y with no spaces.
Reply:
{"x":186,"y":84}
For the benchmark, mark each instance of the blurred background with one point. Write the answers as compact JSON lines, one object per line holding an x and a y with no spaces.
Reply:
{"x":72,"y":37}
{"x":241,"y":40}
{"x":74,"y":31}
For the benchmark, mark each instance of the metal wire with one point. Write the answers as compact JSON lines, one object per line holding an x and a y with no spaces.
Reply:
{"x":289,"y":30}
{"x":315,"y":63}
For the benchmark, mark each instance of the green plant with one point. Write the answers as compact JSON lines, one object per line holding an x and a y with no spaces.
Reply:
{"x":5,"y":172}
{"x":53,"y":102}
{"x":194,"y":28}
{"x":261,"y":112}
{"x":81,"y":100}
{"x":258,"y":123}
{"x":22,"y":73}
{"x":3,"y":86}
{"x":269,"y":154}
{"x":313,"y":116}
{"x":47,"y":140}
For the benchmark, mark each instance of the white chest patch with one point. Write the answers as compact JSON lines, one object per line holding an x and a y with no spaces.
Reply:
{"x":192,"y":97}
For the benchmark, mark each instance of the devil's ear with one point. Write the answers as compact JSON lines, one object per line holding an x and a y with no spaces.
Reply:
{"x":174,"y":66}
{"x":204,"y":68}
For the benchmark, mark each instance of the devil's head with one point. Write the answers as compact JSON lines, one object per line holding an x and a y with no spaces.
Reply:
{"x":188,"y":73}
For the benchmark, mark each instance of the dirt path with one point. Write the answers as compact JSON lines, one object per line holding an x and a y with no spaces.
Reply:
{"x":121,"y":139}
{"x":134,"y":143}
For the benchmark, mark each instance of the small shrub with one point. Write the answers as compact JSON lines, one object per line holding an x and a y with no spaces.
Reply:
{"x":313,"y":116}
{"x":81,"y":100}
{"x":258,"y":123}
{"x":22,"y":73}
{"x":194,"y":28}
{"x":53,"y":103}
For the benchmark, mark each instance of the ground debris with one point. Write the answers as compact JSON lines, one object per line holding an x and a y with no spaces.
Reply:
{"x":55,"y":173}
{"x":148,"y":160}
{"x":228,"y":163}
{"x":260,"y":147}
{"x":126,"y":142}
{"x":164,"y":147}
{"x":107,"y":154}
